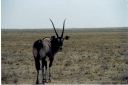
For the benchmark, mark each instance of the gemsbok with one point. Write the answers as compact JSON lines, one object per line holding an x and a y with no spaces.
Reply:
{"x":47,"y":47}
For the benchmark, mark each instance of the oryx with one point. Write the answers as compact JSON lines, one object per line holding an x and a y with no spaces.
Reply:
{"x":47,"y":47}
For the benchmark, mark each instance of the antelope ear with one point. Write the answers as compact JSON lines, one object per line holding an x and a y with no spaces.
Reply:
{"x":66,"y":37}
{"x":52,"y":37}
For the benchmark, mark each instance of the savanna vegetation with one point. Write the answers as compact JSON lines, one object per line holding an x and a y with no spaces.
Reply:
{"x":89,"y":56}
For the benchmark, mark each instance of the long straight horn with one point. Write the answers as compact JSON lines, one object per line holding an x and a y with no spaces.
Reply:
{"x":63,"y":28}
{"x":54,"y":27}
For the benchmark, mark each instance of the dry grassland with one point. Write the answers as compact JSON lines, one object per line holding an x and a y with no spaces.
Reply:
{"x":88,"y":57}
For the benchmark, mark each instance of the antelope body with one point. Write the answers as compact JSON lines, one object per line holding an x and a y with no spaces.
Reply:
{"x":47,"y":47}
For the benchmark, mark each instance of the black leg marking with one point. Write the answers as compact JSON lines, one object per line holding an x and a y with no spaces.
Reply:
{"x":37,"y":64}
{"x":44,"y":70}
{"x":37,"y":80}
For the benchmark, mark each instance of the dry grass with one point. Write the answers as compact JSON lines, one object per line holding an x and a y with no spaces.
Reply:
{"x":87,"y":57}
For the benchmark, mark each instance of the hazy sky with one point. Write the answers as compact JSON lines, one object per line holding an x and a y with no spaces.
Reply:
{"x":79,"y":13}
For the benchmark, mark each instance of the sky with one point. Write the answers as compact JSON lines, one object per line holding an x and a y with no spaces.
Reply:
{"x":78,"y":13}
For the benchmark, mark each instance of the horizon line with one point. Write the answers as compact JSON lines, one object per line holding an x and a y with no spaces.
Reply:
{"x":67,"y":28}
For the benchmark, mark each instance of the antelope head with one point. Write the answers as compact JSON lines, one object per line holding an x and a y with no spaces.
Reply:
{"x":57,"y":41}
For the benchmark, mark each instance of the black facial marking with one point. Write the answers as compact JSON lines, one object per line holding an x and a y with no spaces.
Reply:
{"x":57,"y":43}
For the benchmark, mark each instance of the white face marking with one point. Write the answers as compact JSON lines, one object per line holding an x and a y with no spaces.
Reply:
{"x":58,"y":40}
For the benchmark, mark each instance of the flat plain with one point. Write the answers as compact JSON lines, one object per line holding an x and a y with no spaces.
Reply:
{"x":90,"y":56}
